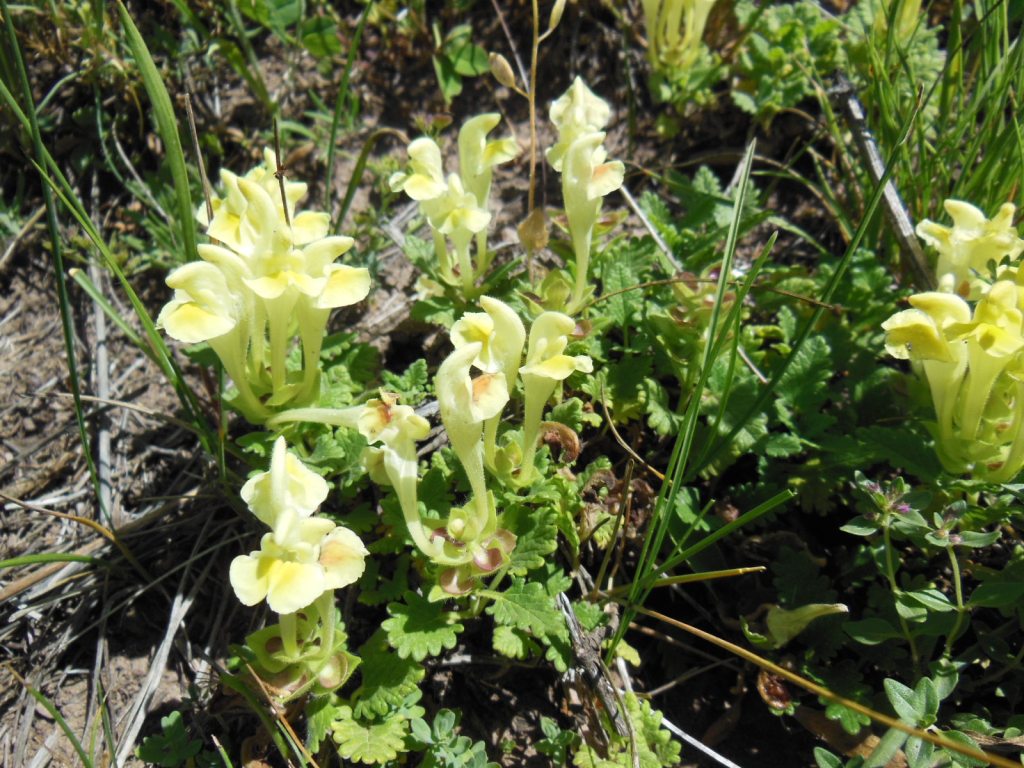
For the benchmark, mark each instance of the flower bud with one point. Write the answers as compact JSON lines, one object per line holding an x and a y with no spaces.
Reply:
{"x":501,"y":70}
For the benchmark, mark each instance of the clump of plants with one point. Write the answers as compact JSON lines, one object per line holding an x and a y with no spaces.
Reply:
{"x":608,"y":412}
{"x":260,"y":298}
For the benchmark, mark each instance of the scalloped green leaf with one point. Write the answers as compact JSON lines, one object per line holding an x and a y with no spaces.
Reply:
{"x":527,"y":606}
{"x":387,"y":679}
{"x":418,"y":628}
{"x":369,"y":743}
{"x":536,"y":536}
{"x":513,"y":643}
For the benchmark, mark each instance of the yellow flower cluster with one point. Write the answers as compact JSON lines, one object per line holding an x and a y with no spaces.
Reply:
{"x":303,"y":556}
{"x":587,"y":175}
{"x":971,"y":356}
{"x":270,"y":274}
{"x":456,"y":206}
{"x":674,"y":30}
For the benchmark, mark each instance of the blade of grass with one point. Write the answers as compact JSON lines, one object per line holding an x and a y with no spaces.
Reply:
{"x":689,"y":430}
{"x":50,"y":707}
{"x":167,"y":127}
{"x":30,"y":122}
{"x":162,"y":354}
{"x":49,"y":557}
{"x":714,"y":449}
{"x":248,"y":67}
{"x":56,"y":181}
{"x":94,"y":293}
{"x":747,"y":517}
{"x":357,"y":172}
{"x":647,"y":565}
{"x":339,"y":105}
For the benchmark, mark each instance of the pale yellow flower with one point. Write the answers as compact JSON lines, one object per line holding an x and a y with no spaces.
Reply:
{"x":285,"y":493}
{"x":320,"y":556}
{"x":968,"y":247}
{"x":575,"y":113}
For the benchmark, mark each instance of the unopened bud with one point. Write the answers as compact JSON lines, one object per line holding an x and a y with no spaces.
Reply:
{"x":501,"y":70}
{"x":556,"y":14}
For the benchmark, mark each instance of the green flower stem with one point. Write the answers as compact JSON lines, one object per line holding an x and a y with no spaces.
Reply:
{"x":945,"y":381}
{"x":289,"y":635}
{"x":483,"y":254}
{"x":444,"y":259}
{"x":491,"y":440}
{"x":1015,"y":454}
{"x":227,"y":348}
{"x":890,"y":573}
{"x":537,"y":391}
{"x":582,"y":248}
{"x":461,"y":241}
{"x":327,"y":610}
{"x":961,"y":608}
{"x":332,"y":417}
{"x":401,"y":471}
{"x":312,"y":322}
{"x":278,"y":317}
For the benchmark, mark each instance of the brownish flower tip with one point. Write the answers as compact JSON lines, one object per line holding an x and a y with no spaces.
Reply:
{"x":559,"y":435}
{"x":533,"y":231}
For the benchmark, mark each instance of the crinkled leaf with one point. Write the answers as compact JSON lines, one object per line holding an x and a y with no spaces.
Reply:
{"x":320,"y":36}
{"x":619,"y":274}
{"x":372,"y":743}
{"x":387,"y":679}
{"x":589,"y":615}
{"x":559,"y":651}
{"x":321,"y":712}
{"x":625,"y":651}
{"x":536,"y":536}
{"x":527,"y":606}
{"x":418,"y":628}
{"x":513,"y":643}
{"x":412,"y":386}
{"x":660,"y":416}
{"x":172,"y":747}
{"x":375,"y":589}
{"x":779,"y":445}
{"x":655,"y":746}
{"x":572,"y":413}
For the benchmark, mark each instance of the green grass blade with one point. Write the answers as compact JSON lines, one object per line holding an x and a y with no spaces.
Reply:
{"x":110,"y":311}
{"x":357,"y":175}
{"x":161,"y":354}
{"x":56,"y":183}
{"x":50,"y":707}
{"x":48,"y":557}
{"x":652,"y":545}
{"x":28,"y":119}
{"x":713,"y":450}
{"x":339,"y":105}
{"x":167,"y":127}
{"x":747,"y":517}
{"x":647,"y":567}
